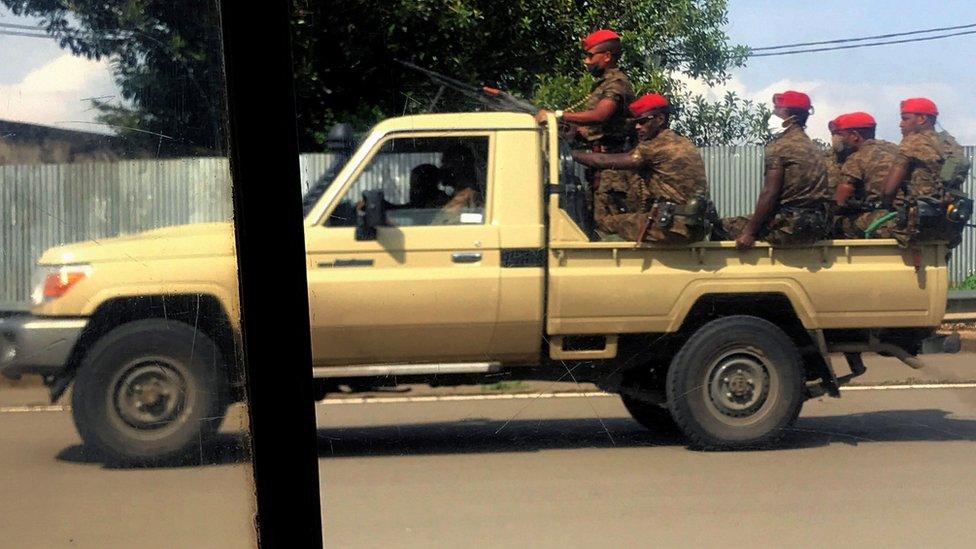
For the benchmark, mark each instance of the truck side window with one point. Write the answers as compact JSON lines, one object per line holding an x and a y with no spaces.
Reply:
{"x":425,"y":181}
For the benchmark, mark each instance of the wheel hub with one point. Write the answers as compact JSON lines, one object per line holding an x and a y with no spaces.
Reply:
{"x":738,"y":384}
{"x":150,"y":395}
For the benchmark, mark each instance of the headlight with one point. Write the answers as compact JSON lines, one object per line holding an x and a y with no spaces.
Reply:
{"x":53,"y":281}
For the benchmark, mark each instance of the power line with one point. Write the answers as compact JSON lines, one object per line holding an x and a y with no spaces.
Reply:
{"x":25,"y":27}
{"x":875,"y":37}
{"x":28,"y":34}
{"x":852,"y":46}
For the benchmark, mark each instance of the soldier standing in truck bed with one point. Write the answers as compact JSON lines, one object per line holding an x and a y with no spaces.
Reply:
{"x":931,"y":168}
{"x":673,"y":188}
{"x":603,"y":127}
{"x":794,"y":204}
{"x":866,"y":163}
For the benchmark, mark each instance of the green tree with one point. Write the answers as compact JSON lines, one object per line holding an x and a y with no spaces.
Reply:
{"x":166,"y":58}
{"x":346,"y":70}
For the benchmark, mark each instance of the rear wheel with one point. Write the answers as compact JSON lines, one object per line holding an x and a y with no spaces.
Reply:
{"x":150,"y":390}
{"x":736,"y":383}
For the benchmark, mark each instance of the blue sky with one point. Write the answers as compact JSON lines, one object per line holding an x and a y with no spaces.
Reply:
{"x":41,"y":83}
{"x":870,"y":79}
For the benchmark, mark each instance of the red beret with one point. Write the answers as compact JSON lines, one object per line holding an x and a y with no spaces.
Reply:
{"x":598,"y":37}
{"x":791,"y":100}
{"x":647,"y":102}
{"x":919,"y":105}
{"x":852,"y":121}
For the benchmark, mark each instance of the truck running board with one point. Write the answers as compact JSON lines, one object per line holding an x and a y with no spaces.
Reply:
{"x":374,"y":370}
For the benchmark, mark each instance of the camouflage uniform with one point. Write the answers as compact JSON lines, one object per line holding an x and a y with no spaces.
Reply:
{"x":866,"y":169}
{"x":804,"y":189}
{"x":671,"y":170}
{"x":611,"y":135}
{"x":608,"y":137}
{"x":924,"y":154}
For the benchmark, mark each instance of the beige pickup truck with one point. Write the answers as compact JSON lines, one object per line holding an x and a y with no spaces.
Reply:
{"x":471,"y":264}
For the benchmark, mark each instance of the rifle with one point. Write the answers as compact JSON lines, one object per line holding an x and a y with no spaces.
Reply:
{"x":494,"y":99}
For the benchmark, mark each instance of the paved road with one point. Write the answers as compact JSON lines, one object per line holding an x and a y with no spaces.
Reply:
{"x":891,"y":467}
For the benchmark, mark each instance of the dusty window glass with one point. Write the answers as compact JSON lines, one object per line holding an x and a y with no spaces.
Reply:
{"x":122,"y":383}
{"x":425,"y":181}
{"x":670,"y":324}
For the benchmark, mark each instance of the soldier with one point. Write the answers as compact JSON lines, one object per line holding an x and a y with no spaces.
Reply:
{"x":672,"y":189}
{"x":865,"y":165}
{"x":793,"y":206}
{"x":930,"y":168}
{"x":603,"y":126}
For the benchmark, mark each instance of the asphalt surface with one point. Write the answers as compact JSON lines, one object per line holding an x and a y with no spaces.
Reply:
{"x":882,"y":466}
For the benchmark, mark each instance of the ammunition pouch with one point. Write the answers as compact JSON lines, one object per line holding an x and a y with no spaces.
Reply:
{"x":664,"y":213}
{"x":928,"y":213}
{"x":808,"y":224}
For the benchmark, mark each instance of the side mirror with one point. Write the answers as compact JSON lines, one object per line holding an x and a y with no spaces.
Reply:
{"x":372,"y":215}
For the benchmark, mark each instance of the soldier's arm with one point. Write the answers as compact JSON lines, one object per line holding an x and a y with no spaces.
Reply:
{"x":597,"y":115}
{"x":897,"y":174}
{"x":768,"y":197}
{"x":617,"y":161}
{"x":844,"y":191}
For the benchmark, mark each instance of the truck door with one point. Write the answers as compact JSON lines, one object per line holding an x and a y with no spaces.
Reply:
{"x":427,"y":289}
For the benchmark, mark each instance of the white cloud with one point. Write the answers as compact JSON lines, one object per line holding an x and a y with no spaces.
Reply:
{"x":831,"y":99}
{"x":59,"y":92}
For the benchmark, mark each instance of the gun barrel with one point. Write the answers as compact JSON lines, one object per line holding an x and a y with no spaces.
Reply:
{"x":491,"y":97}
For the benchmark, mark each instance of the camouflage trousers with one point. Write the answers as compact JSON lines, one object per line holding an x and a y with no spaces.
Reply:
{"x":629,"y":226}
{"x":782,"y":230}
{"x":618,"y":193}
{"x":854,"y":225}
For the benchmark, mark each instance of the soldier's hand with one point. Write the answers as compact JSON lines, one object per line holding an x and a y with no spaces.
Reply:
{"x":745,"y":241}
{"x":540,"y":116}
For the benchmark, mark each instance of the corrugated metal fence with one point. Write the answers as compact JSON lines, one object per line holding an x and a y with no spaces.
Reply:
{"x":46,"y":205}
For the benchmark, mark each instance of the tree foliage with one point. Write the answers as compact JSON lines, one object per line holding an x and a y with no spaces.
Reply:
{"x":166,"y":57}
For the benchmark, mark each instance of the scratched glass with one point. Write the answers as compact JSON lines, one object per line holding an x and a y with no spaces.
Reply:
{"x":522,"y":372}
{"x":121,"y":395}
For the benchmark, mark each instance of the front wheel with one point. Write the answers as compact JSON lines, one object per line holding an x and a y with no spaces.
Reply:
{"x":148,"y":391}
{"x":736,"y":383}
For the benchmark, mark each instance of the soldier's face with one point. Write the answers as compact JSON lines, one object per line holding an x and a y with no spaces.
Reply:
{"x":911,"y":123}
{"x":649,"y":126}
{"x":596,"y":61}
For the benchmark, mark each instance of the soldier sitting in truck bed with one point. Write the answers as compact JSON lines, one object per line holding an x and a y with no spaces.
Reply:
{"x":794,"y":204}
{"x":673,"y":194}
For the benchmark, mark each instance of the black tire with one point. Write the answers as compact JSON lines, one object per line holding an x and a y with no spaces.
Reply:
{"x":736,"y":383}
{"x":149,"y":391}
{"x":651,"y":416}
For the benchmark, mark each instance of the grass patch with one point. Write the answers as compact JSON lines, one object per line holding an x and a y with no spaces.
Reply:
{"x":968,"y":284}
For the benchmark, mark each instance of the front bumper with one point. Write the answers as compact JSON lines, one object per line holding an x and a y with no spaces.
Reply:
{"x":37,"y":345}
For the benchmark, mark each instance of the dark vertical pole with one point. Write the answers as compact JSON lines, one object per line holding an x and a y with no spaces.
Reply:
{"x":271,"y":262}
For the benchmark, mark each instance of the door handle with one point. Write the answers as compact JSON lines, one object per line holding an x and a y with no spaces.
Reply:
{"x":347,"y":263}
{"x":466,"y":257}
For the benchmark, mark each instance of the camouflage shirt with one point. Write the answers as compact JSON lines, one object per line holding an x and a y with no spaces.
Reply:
{"x":923,"y":154}
{"x":833,"y":170}
{"x":804,"y":171}
{"x":671,"y":167}
{"x":868,"y":167}
{"x":615,"y":85}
